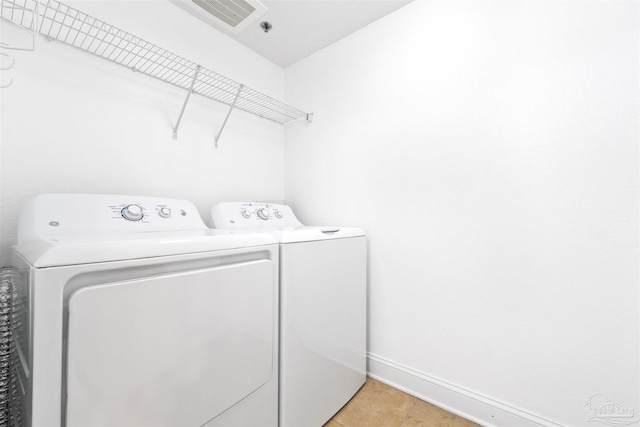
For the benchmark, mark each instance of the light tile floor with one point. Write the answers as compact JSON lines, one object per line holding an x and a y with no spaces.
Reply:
{"x":379,"y":405}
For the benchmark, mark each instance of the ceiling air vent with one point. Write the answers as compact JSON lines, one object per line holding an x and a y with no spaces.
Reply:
{"x":230,"y":15}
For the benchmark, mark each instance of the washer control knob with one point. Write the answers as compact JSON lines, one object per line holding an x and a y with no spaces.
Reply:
{"x":164,"y":212}
{"x":246,"y":213}
{"x":263,"y":214}
{"x":132,"y":212}
{"x":278,"y":214}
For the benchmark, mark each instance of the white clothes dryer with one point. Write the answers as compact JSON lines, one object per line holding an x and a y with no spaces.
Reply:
{"x":135,"y":313}
{"x":323,"y":299}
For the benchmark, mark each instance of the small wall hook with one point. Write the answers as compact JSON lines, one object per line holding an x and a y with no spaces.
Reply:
{"x":7,"y":85}
{"x":13,"y":61}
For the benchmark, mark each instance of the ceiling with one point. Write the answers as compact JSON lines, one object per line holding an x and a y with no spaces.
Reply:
{"x":302,"y":27}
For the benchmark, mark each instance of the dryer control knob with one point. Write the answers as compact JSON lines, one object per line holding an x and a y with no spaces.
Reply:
{"x":132,"y":212}
{"x":246,"y":214}
{"x":263,"y":214}
{"x":164,"y":212}
{"x":278,"y":214}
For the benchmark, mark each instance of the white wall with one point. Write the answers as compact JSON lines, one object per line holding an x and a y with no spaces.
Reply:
{"x":490,"y":150}
{"x":72,"y":122}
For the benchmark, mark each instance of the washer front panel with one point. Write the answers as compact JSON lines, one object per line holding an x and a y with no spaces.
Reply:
{"x":323,"y":327}
{"x":168,"y":350}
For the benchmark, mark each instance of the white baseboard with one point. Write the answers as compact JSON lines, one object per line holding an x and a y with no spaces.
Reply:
{"x":457,"y":400}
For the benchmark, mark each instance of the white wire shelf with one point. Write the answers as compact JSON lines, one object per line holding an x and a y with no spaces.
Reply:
{"x":22,"y":13}
{"x":57,"y":21}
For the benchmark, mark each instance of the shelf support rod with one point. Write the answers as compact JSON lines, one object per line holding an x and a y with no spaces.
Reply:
{"x":228,"y":114}
{"x":184,"y":106}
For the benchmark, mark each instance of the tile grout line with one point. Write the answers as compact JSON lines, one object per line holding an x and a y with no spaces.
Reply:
{"x":415,"y":402}
{"x":340,"y":424}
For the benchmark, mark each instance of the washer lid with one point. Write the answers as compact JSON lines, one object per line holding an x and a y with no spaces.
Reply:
{"x":311,"y":234}
{"x":301,"y":234}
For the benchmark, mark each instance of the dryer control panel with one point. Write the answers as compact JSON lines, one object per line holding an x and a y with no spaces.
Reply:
{"x":232,"y":215}
{"x":156,"y":210}
{"x":54,"y":216}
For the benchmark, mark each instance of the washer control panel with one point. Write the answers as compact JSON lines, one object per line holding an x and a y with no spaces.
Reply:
{"x":231,"y":215}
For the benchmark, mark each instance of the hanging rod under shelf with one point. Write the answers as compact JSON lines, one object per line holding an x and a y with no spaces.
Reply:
{"x":60,"y":22}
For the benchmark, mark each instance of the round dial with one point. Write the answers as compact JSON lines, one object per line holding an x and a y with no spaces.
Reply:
{"x":263,"y":214}
{"x":132,"y":212}
{"x":246,"y":213}
{"x":278,"y":214}
{"x":164,"y":212}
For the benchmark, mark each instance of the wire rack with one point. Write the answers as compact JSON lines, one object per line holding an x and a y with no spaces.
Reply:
{"x":57,"y":21}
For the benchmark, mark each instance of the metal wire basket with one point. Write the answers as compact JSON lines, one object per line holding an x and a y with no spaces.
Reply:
{"x":10,"y":396}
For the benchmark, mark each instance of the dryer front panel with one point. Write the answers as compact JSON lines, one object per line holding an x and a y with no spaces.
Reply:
{"x":169,"y":350}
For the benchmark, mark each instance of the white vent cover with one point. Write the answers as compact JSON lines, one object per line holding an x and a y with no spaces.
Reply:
{"x":230,"y":15}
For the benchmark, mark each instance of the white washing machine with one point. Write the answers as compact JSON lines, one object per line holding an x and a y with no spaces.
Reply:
{"x":323,"y":293}
{"x":134,"y":313}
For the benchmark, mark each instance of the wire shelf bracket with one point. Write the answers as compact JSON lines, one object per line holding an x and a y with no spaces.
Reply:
{"x":57,"y":21}
{"x":186,"y":101}
{"x":224,"y":123}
